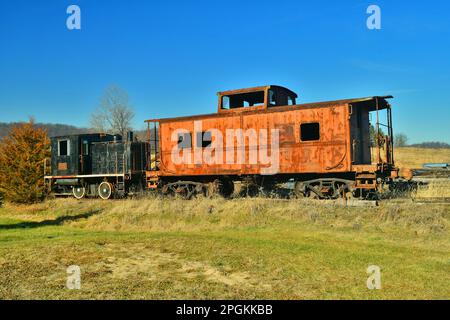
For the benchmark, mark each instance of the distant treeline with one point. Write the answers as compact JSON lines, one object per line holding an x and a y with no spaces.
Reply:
{"x":57,"y":129}
{"x":431,"y":145}
{"x":53,"y":130}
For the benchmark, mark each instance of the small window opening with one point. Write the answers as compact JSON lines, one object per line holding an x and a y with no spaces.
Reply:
{"x":63,"y":148}
{"x":243,"y":100}
{"x":226,"y":102}
{"x":85,"y":148}
{"x":290,"y":101}
{"x":310,"y":131}
{"x":280,"y":98}
{"x":272,"y":100}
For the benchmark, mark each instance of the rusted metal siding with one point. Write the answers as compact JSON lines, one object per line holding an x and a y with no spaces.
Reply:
{"x":332,"y":153}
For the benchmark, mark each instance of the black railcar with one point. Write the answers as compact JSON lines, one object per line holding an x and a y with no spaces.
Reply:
{"x":96,"y":165}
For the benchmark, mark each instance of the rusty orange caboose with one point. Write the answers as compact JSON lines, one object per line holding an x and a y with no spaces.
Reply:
{"x":263,"y":137}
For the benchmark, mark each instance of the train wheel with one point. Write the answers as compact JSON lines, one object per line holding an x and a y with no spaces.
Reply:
{"x":79,"y":192}
{"x":313,"y":193}
{"x":165,"y":190}
{"x":268,"y":189}
{"x":105,"y":190}
{"x":212,"y":189}
{"x":250,"y":189}
{"x":299,"y":190}
{"x":349,"y":195}
{"x":184,"y":189}
{"x":222,"y":187}
{"x":313,"y":196}
{"x":188,"y":191}
{"x":228,"y":188}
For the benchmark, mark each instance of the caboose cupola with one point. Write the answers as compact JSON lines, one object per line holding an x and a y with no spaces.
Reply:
{"x":257,"y":98}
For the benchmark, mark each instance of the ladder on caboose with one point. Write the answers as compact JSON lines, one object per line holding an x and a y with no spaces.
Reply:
{"x":153,"y":154}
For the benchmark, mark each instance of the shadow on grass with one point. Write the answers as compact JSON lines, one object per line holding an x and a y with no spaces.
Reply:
{"x":56,"y":222}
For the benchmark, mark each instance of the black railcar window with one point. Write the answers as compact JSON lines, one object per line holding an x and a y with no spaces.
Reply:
{"x":310,"y":131}
{"x":63,"y":148}
{"x":85,"y":148}
{"x":184,"y":140}
{"x":204,"y":139}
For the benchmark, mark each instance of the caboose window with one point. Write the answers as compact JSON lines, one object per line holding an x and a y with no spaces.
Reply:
{"x":280,"y":98}
{"x":226,"y":102}
{"x":242,"y":100}
{"x":310,"y":131}
{"x":290,"y":101}
{"x":204,"y":139}
{"x":63,"y":147}
{"x":272,"y":99}
{"x":184,"y":140}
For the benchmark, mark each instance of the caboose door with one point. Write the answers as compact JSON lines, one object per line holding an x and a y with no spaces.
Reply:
{"x":360,"y":135}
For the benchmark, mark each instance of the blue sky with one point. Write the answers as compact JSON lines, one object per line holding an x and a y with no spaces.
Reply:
{"x":173,"y":56}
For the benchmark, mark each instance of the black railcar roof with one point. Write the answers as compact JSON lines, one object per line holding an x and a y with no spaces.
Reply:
{"x":86,"y":135}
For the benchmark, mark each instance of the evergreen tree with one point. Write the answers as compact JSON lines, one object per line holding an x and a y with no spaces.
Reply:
{"x":22,"y":155}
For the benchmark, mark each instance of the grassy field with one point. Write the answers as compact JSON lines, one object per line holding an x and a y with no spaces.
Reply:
{"x":414,"y":158}
{"x":229,"y":249}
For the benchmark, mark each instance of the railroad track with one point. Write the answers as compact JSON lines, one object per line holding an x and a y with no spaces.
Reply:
{"x":424,"y":200}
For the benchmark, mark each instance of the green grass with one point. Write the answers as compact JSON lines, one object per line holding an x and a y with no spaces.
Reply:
{"x":218,"y":249}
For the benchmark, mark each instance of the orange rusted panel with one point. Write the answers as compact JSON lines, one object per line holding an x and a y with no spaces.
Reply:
{"x":62,"y":166}
{"x":329,"y":154}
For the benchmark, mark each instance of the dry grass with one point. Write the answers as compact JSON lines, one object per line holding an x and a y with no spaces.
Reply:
{"x":439,"y":188}
{"x":156,"y":214}
{"x":154,"y":248}
{"x":414,"y":158}
{"x":162,"y":215}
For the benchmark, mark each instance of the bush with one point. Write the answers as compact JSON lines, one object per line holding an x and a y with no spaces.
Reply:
{"x":22,"y":155}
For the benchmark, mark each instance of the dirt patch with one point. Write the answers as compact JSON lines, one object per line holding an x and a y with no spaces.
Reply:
{"x":153,"y":264}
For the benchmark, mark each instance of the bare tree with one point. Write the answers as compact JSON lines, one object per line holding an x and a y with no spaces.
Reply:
{"x":400,"y":140}
{"x":114,"y":114}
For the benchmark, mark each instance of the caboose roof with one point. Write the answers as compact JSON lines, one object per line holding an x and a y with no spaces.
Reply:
{"x":367,"y":102}
{"x":255,"y":89}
